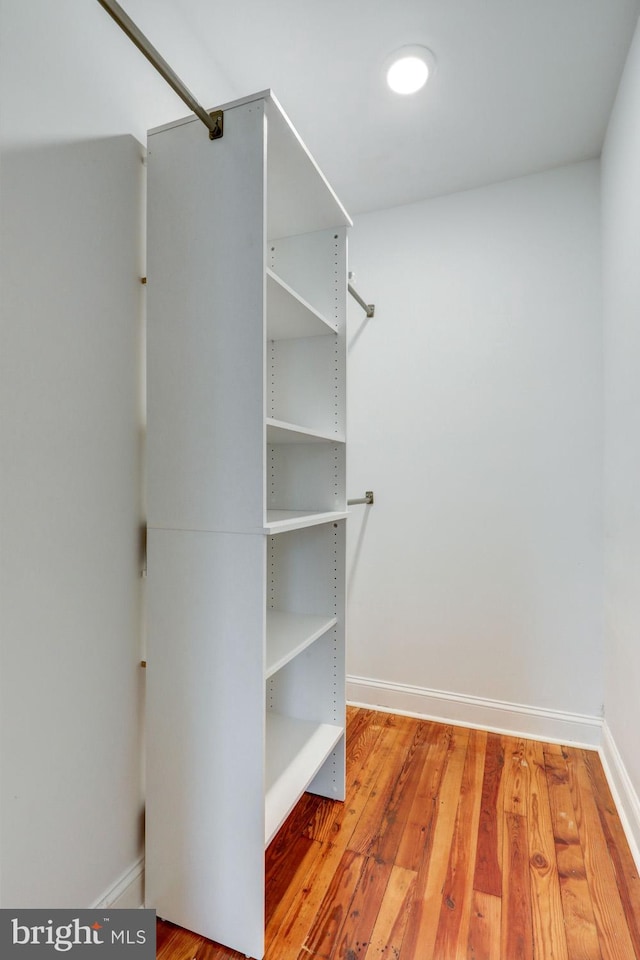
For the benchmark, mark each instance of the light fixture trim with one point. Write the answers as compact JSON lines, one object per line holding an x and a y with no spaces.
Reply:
{"x":409,"y":68}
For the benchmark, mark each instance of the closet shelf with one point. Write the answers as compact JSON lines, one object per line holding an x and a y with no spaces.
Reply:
{"x":295,"y":751}
{"x":288,"y":634}
{"x":279,"y":431}
{"x":280,"y":521}
{"x":289,"y":316}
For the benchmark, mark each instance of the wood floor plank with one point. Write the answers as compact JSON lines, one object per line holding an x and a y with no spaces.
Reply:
{"x":335,"y":822}
{"x":370,"y":824}
{"x":184,"y":945}
{"x":302,"y":914}
{"x":298,"y":822}
{"x":615,"y":940}
{"x":549,"y":937}
{"x":329,"y":919}
{"x":178,"y":945}
{"x":388,"y":932}
{"x":164,"y":929}
{"x":455,"y":910}
{"x":488,"y":867}
{"x":282,"y":893}
{"x":214,"y":951}
{"x":517,"y":925}
{"x":515,"y":776}
{"x":383,"y":844}
{"x":422,"y":926}
{"x":579,"y":919}
{"x":356,"y":932}
{"x":484,"y":927}
{"x":626,"y":871}
{"x":288,"y":854}
{"x":363,"y":729}
{"x":417,"y":837}
{"x":282,"y":871}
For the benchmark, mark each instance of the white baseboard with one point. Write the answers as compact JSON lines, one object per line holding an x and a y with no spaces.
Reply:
{"x":625,"y":797}
{"x":127,"y":892}
{"x":496,"y":716}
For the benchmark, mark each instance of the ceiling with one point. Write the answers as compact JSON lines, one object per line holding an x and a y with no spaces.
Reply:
{"x":520,"y":85}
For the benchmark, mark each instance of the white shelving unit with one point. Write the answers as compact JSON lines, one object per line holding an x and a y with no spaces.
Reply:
{"x":247,"y":280}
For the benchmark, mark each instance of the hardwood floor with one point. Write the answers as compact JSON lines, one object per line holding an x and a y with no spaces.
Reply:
{"x":452,"y":844}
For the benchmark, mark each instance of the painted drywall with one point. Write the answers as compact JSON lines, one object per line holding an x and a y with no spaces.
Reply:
{"x":71,"y":513}
{"x":475,"y":415}
{"x":621,"y":298}
{"x":76,"y":100}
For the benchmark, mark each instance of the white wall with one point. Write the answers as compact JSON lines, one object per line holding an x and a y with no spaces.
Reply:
{"x":74,"y":91}
{"x":475,"y":415}
{"x":621,"y":275}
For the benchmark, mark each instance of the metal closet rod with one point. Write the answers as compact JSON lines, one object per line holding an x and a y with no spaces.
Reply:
{"x":213,"y":122}
{"x":126,"y":24}
{"x":369,"y":308}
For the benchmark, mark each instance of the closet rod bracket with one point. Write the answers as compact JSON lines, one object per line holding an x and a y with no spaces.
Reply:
{"x":218,"y":119}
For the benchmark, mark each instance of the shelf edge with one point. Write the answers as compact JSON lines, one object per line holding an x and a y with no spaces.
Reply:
{"x":304,"y":520}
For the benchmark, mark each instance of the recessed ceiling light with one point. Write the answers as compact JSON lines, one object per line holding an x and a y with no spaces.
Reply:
{"x":409,"y":69}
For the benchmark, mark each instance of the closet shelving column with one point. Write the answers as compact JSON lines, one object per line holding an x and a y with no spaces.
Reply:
{"x":247,"y":282}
